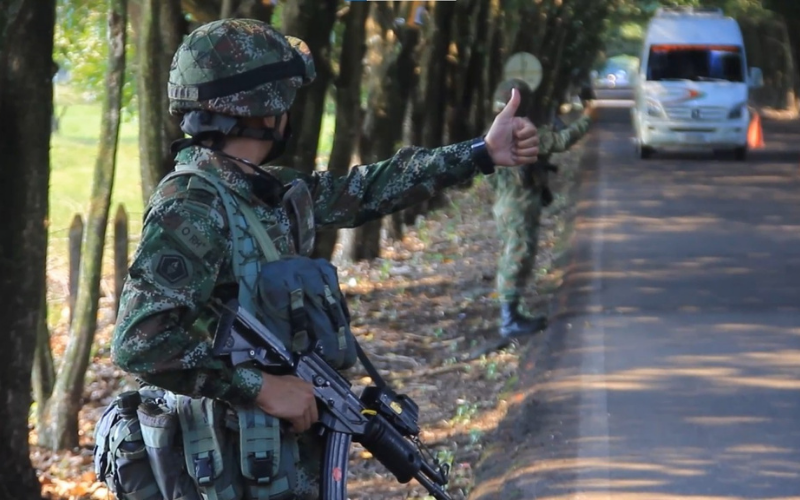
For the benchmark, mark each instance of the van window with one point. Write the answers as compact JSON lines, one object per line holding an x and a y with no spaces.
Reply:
{"x":695,"y":62}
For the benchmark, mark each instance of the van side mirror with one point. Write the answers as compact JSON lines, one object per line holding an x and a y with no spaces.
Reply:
{"x":756,"y":78}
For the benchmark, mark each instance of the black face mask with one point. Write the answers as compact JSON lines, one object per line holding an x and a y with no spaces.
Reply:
{"x":279,"y":145}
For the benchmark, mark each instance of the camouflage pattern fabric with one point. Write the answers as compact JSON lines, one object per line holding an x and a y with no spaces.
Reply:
{"x":183,"y":261}
{"x":231,"y":48}
{"x":517,"y":210}
{"x":184,"y":257}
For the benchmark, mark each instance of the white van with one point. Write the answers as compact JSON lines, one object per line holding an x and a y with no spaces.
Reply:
{"x":692,"y":88}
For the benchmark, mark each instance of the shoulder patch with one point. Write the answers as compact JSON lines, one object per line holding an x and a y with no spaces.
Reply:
{"x":187,"y":235}
{"x":171,"y":269}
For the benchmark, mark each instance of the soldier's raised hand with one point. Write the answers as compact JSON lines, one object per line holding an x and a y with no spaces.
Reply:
{"x":512,"y":140}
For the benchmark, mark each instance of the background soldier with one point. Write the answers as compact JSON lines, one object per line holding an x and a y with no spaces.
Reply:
{"x":520,"y":195}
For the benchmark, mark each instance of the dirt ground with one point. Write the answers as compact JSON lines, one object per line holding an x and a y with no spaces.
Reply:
{"x":420,"y":312}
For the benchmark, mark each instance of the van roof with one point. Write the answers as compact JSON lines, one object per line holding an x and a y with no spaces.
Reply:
{"x":689,"y":11}
{"x":693,"y":29}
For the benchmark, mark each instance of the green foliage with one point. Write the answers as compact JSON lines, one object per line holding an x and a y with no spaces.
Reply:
{"x":625,"y":27}
{"x":277,"y":16}
{"x":631,"y":31}
{"x":786,"y":8}
{"x":79,"y":45}
{"x":80,"y":48}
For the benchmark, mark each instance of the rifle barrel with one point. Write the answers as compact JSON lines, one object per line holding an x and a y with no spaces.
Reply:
{"x":434,"y":489}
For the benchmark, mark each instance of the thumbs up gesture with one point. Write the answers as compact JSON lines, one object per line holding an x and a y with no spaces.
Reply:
{"x":512,"y":140}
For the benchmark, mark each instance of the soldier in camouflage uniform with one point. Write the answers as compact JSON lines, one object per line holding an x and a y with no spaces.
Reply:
{"x":233,"y":82}
{"x":520,"y":195}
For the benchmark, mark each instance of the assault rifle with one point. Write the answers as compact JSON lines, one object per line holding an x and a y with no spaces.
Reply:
{"x":383,"y":422}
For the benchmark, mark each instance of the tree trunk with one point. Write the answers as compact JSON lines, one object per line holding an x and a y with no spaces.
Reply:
{"x":26,"y":105}
{"x":382,"y":129}
{"x":256,"y":9}
{"x":312,"y":21}
{"x":548,"y":100}
{"x":462,"y":77}
{"x":793,"y":28}
{"x":789,"y":12}
{"x":496,"y":56}
{"x":172,"y":27}
{"x":787,"y":77}
{"x":205,"y":11}
{"x":436,"y":83}
{"x":226,"y":10}
{"x":481,"y":93}
{"x":159,"y":35}
{"x":59,"y":428}
{"x":429,"y":101}
{"x":348,"y":105}
{"x":363,"y":242}
{"x":44,"y":370}
{"x":408,"y":83}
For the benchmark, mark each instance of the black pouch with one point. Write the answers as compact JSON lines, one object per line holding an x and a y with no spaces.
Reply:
{"x":300,"y":301}
{"x":131,"y":474}
{"x":160,"y":428}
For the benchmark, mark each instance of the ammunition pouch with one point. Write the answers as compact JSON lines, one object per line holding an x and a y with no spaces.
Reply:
{"x":267,"y":457}
{"x":181,"y":448}
{"x":209,"y":452}
{"x":122,"y":458}
{"x":299,"y":300}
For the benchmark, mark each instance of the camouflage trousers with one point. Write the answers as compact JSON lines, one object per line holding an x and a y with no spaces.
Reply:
{"x":517,"y":211}
{"x":311,"y":448}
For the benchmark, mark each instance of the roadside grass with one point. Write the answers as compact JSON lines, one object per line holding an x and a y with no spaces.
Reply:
{"x":73,"y":152}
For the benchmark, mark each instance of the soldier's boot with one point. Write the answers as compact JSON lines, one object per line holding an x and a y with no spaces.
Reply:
{"x":513,"y":323}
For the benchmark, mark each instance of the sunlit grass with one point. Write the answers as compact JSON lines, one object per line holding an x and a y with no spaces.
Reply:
{"x":73,"y":153}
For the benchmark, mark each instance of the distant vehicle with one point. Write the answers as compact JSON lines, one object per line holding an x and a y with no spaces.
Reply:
{"x":693,"y":85}
{"x":612,"y":79}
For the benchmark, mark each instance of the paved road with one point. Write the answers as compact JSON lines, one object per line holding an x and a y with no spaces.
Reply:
{"x":615,"y":94}
{"x":674,"y":371}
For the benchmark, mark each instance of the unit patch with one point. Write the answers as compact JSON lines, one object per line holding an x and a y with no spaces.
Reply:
{"x":171,"y":269}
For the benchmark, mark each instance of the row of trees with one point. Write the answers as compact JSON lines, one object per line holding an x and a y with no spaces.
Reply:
{"x":396,"y":72}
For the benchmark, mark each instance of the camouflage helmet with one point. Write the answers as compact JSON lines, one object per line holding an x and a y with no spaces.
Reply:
{"x":238,"y":67}
{"x":503,"y":93}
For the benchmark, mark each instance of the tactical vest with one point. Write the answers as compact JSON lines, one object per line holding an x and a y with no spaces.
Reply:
{"x":225,"y":453}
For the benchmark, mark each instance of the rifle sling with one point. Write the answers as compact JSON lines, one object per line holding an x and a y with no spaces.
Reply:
{"x":373,"y":373}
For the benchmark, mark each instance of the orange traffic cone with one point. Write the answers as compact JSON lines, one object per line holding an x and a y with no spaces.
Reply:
{"x":755,"y":134}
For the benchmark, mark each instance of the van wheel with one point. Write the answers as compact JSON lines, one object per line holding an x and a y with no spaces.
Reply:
{"x":740,"y":154}
{"x":645,"y":152}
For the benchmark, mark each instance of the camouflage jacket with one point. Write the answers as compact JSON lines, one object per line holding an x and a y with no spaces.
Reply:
{"x":184,"y":257}
{"x":551,"y":142}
